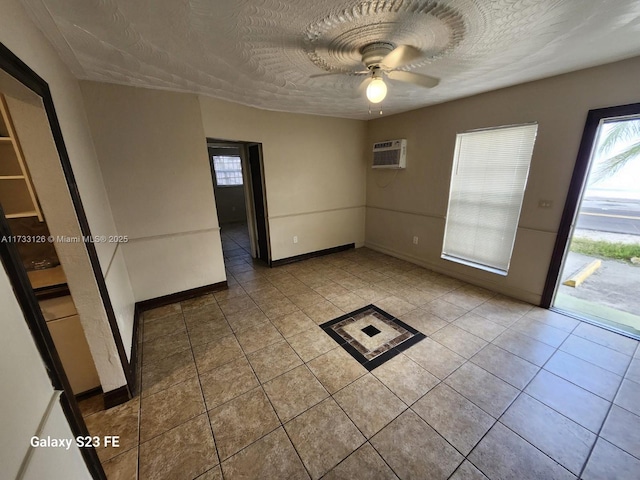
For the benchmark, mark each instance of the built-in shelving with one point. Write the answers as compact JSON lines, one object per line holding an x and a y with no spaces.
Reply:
{"x":17,"y":195}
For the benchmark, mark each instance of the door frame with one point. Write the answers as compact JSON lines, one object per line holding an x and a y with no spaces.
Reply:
{"x":576,"y":187}
{"x":13,"y":66}
{"x":250,"y":193}
{"x":259,"y":202}
{"x":44,"y":343}
{"x":19,"y":70}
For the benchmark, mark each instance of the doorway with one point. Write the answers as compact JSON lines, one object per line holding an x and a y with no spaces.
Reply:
{"x":595,"y":272}
{"x":29,"y":101}
{"x":37,"y":251}
{"x":238,"y":182}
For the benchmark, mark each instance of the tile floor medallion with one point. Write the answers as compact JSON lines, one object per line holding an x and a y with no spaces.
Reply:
{"x":371,"y":335}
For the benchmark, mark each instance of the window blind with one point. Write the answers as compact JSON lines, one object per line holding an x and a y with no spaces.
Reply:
{"x":490,"y":170}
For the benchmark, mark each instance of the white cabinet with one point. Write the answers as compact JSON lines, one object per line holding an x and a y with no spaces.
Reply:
{"x":68,"y":336}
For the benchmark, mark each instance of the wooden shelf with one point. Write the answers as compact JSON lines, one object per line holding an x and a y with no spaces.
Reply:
{"x":47,"y":277}
{"x":17,"y":194}
{"x":22,"y":214}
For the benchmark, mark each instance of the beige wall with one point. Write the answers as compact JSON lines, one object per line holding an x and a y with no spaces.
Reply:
{"x":21,"y":36}
{"x":415,"y":201}
{"x":314,"y":173}
{"x":153,"y":155}
{"x":28,"y":403}
{"x":161,"y":192}
{"x":56,"y":463}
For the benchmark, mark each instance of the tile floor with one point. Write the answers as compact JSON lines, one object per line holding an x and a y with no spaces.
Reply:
{"x":245,"y":384}
{"x":235,"y":242}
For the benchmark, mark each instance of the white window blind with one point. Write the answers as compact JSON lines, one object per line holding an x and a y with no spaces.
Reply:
{"x":228,"y":170}
{"x":490,"y":170}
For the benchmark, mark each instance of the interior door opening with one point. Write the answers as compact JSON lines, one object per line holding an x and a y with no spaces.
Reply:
{"x":28,"y":226}
{"x":599,"y":276}
{"x":238,"y":182}
{"x":32,"y":262}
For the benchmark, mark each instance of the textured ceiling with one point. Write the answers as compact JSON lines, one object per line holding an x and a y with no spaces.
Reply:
{"x":262,"y":52}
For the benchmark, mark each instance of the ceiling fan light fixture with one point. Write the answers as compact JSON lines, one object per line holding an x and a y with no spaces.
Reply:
{"x":376,"y":90}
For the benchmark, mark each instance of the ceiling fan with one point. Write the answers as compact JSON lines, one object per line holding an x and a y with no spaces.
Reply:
{"x":384,"y":59}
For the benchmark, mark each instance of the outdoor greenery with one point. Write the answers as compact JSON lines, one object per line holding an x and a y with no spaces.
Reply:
{"x":623,"y":131}
{"x":600,"y":248}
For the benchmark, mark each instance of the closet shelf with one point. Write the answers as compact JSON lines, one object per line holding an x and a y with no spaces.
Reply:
{"x":16,"y":189}
{"x":22,"y":214}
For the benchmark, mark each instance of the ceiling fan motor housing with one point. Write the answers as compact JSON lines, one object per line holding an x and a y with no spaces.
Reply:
{"x":373,"y":53}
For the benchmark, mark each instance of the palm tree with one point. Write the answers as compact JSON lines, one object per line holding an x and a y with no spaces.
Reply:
{"x":621,"y":132}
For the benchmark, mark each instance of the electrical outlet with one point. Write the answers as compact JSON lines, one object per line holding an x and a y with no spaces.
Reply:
{"x":295,"y":239}
{"x":415,"y":240}
{"x":545,"y":203}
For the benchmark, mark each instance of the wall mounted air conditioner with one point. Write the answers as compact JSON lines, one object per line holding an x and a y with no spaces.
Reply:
{"x":390,"y":154}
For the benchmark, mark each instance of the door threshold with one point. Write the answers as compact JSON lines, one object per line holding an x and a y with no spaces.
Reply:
{"x":596,"y":322}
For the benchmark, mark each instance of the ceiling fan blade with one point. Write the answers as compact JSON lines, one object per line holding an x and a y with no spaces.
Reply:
{"x":414,"y":78}
{"x":400,"y":56}
{"x":317,"y":75}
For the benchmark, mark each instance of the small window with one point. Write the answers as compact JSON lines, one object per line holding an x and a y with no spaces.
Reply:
{"x":228,"y":170}
{"x":490,"y":170}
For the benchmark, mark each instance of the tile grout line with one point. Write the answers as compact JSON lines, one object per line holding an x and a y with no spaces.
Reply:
{"x":201,"y":392}
{"x":249,"y":294}
{"x":260,"y":385}
{"x":557,"y":349}
{"x":394,"y":277}
{"x":409,"y":407}
{"x":595,"y":364}
{"x":522,"y":392}
{"x":366,"y":440}
{"x":330,"y":395}
{"x":606,"y":417}
{"x":572,"y":383}
{"x":164,"y":389}
{"x":204,"y":401}
{"x":442,"y":382}
{"x":529,"y":338}
{"x":592,"y":364}
{"x":496,"y":420}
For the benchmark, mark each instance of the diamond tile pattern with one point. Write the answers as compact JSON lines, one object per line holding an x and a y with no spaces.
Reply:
{"x":371,"y":335}
{"x":242,"y":384}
